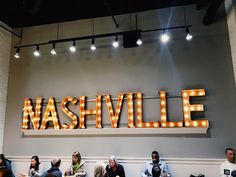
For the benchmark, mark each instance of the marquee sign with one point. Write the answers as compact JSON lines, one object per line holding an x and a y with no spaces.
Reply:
{"x":134,"y":105}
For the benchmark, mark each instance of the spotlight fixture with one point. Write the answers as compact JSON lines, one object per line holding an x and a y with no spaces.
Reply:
{"x":115,"y":43}
{"x":53,"y":51}
{"x":139,"y":41}
{"x":36,"y":52}
{"x":73,"y":48}
{"x":17,"y":54}
{"x":165,"y":37}
{"x":188,"y":35}
{"x":93,"y":47}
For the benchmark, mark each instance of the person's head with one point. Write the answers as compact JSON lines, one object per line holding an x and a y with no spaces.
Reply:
{"x":230,"y":154}
{"x":2,"y":159}
{"x":4,"y":172}
{"x":113,"y":161}
{"x":34,"y":163}
{"x":155,"y":157}
{"x":76,"y":157}
{"x":56,"y":162}
{"x":99,"y":169}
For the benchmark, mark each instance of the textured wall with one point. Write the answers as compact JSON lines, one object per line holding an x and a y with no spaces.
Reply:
{"x":205,"y":62}
{"x":5,"y":48}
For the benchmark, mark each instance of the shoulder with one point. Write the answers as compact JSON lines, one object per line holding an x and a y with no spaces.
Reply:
{"x":81,"y":163}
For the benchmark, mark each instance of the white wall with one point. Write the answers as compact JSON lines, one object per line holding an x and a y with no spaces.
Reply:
{"x":180,"y":167}
{"x":5,"y":49}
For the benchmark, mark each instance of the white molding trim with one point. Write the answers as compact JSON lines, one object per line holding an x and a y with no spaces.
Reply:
{"x":124,"y":159}
{"x":115,"y":131}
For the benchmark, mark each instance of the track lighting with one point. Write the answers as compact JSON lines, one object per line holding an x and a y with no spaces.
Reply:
{"x":73,"y":48}
{"x":115,"y":43}
{"x":17,"y":54}
{"x":53,"y":51}
{"x":139,"y":41}
{"x":188,"y":35}
{"x":36,"y":52}
{"x":93,"y":47}
{"x":165,"y":37}
{"x":137,"y":36}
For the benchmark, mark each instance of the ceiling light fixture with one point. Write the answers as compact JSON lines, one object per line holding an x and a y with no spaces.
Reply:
{"x":37,"y":52}
{"x":73,"y":48}
{"x":17,"y":54}
{"x":53,"y":51}
{"x":115,"y":43}
{"x":93,"y":47}
{"x":139,"y":41}
{"x":165,"y":37}
{"x":188,"y":35}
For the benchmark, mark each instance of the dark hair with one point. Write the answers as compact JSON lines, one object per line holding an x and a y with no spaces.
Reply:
{"x":155,"y":152}
{"x":6,"y":172}
{"x":36,"y":167}
{"x":3,"y":160}
{"x":229,"y":149}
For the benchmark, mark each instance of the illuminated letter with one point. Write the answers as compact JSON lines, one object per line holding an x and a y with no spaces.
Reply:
{"x":84,"y":112}
{"x":29,"y":112}
{"x":114,"y":118}
{"x":130,"y":110}
{"x":187,"y":108}
{"x":163,"y":111}
{"x":69,"y":113}
{"x":50,"y":115}
{"x":139,"y":113}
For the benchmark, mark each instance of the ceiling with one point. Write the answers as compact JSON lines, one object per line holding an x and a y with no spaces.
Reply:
{"x":24,"y":13}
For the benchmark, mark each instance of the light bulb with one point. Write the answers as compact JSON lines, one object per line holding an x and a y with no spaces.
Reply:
{"x":165,"y":37}
{"x":36,"y":52}
{"x":139,"y":42}
{"x":73,"y":48}
{"x":189,"y":37}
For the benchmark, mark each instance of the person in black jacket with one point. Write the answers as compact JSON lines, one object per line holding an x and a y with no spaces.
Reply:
{"x":114,"y":169}
{"x":54,"y":170}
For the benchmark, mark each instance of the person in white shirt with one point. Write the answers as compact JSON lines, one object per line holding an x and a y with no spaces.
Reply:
{"x":229,"y":165}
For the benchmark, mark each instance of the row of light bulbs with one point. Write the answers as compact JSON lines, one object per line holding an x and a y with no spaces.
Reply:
{"x":164,"y":39}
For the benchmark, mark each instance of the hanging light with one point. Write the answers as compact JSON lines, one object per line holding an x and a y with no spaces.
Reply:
{"x":139,"y":41}
{"x":115,"y":43}
{"x":36,"y":52}
{"x":165,"y":37}
{"x":73,"y":48}
{"x":17,"y":54}
{"x":53,"y":51}
{"x":188,"y":35}
{"x":93,"y":47}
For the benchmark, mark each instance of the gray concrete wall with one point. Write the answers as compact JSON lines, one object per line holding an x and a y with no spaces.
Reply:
{"x":5,"y":48}
{"x":205,"y":62}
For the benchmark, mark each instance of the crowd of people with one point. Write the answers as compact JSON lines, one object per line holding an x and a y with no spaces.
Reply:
{"x":153,"y":168}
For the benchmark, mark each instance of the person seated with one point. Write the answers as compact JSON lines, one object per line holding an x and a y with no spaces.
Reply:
{"x":99,"y":169}
{"x":36,"y":168}
{"x":5,"y":172}
{"x":229,"y":165}
{"x":114,"y":169}
{"x":54,"y":170}
{"x":155,"y":167}
{"x":77,"y":166}
{"x":5,"y":162}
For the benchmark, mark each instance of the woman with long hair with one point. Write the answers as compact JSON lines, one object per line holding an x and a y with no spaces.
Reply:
{"x":36,"y":168}
{"x":77,"y":166}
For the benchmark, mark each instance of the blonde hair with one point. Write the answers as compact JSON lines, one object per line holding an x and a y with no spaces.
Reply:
{"x":99,"y":169}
